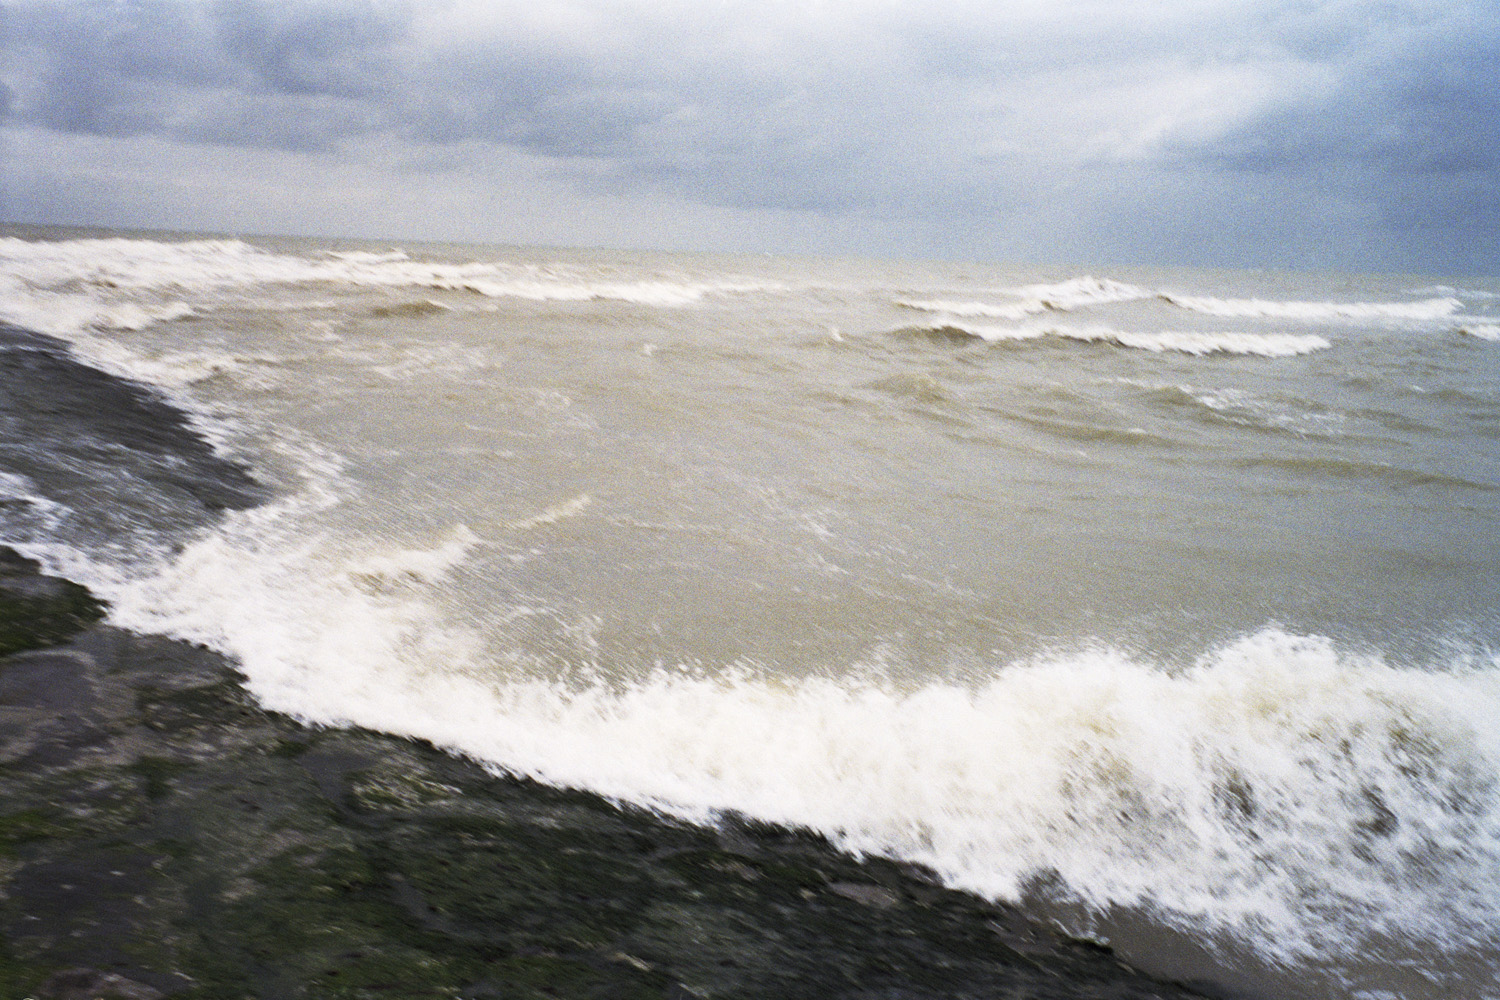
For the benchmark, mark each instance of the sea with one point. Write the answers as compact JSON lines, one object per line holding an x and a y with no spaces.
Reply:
{"x":1164,"y":602}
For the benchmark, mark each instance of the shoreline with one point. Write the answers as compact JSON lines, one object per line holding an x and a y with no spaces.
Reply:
{"x":1238,"y":763}
{"x":163,"y":836}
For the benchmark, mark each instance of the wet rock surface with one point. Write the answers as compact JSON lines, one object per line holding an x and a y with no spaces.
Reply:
{"x":78,"y":429}
{"x":161,"y":836}
{"x":37,"y":610}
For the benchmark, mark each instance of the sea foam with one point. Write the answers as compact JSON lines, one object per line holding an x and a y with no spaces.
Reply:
{"x":1086,"y":291}
{"x":71,"y":286}
{"x":1317,"y":312}
{"x":1281,"y":788}
{"x":1029,"y":300}
{"x":1293,"y":794}
{"x":1271,"y":345}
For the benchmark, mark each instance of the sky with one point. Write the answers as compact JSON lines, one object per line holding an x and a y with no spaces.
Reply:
{"x":1277,"y":133}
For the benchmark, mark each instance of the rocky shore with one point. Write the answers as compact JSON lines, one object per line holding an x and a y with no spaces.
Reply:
{"x":162,"y":836}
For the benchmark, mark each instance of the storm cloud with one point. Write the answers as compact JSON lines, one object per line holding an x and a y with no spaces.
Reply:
{"x":1280,"y":133}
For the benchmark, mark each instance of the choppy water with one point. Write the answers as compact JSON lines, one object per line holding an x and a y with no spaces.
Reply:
{"x":1166,"y":593}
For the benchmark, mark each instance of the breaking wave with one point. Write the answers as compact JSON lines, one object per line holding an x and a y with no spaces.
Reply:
{"x":1029,"y":300}
{"x":1087,"y":291}
{"x":1316,"y":312}
{"x":1295,"y":794}
{"x":1270,"y":345}
{"x":72,"y":286}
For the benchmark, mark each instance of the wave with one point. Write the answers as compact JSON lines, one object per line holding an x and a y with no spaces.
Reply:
{"x":1083,"y":291}
{"x":1271,"y":345}
{"x":402,"y":362}
{"x":75,"y":285}
{"x":385,"y":572}
{"x":1323,"y":467}
{"x":173,"y":371}
{"x":412,"y":309}
{"x":167,"y":371}
{"x":1017,"y":311}
{"x":1484,"y":331}
{"x":1299,"y":418}
{"x":1296,"y":795}
{"x":366,"y":257}
{"x":1062,"y":296}
{"x":665,"y":294}
{"x":1280,"y":789}
{"x":1461,"y":293}
{"x":61,"y":313}
{"x":569,"y":508}
{"x":1315,"y":312}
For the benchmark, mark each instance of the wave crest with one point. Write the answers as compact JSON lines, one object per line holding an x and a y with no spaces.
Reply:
{"x":1063,"y":296}
{"x":72,"y":286}
{"x":1280,"y":789}
{"x":1315,"y":312}
{"x":1270,"y":345}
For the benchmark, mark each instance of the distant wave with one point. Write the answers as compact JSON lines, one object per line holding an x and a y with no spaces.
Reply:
{"x":647,"y":293}
{"x":1315,"y":312}
{"x":1271,"y":345}
{"x":1016,"y":310}
{"x":1300,"y":418}
{"x":1484,"y":331}
{"x":366,"y":257}
{"x":1462,"y":293}
{"x":1086,"y":291}
{"x":71,"y":286}
{"x":1083,"y":291}
{"x":1342,"y":468}
{"x":1030,"y":300}
{"x":410,"y":309}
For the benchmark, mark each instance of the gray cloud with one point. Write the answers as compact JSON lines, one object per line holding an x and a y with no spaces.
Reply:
{"x":1425,"y":102}
{"x":339,"y":50}
{"x":284,"y":76}
{"x":974,"y":123}
{"x":1411,"y":129}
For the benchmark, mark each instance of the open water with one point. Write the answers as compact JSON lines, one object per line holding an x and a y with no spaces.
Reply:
{"x":1162,"y":601}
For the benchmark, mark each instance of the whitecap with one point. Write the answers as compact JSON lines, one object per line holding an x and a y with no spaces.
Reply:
{"x":110,"y":270}
{"x":1316,"y":312}
{"x":1271,"y":345}
{"x":1017,"y":310}
{"x":1085,"y":290}
{"x":1030,"y":300}
{"x":1281,"y":789}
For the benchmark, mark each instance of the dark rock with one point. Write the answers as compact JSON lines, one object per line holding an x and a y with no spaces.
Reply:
{"x":91,"y":984}
{"x":163,"y":836}
{"x":61,"y":406}
{"x":866,"y":895}
{"x":37,"y":610}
